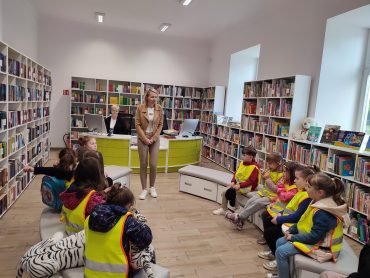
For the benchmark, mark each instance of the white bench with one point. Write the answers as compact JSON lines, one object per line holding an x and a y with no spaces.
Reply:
{"x":50,"y":224}
{"x":204,"y":182}
{"x":119,"y":174}
{"x":304,"y":267}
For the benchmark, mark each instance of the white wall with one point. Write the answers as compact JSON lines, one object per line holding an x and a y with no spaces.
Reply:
{"x":18,"y":25}
{"x":243,"y":67}
{"x":291,"y":34}
{"x":341,"y":70}
{"x":69,"y":49}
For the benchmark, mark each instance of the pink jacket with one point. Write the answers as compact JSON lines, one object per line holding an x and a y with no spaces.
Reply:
{"x":285,"y":192}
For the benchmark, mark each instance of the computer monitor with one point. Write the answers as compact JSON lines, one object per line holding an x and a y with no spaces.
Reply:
{"x":95,"y":123}
{"x":188,"y":127}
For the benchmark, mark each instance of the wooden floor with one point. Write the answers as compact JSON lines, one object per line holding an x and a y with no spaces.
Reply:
{"x":188,"y":239}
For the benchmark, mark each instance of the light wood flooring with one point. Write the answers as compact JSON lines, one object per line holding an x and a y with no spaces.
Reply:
{"x":188,"y":239}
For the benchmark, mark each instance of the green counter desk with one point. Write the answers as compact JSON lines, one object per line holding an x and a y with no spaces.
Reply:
{"x":173,"y":153}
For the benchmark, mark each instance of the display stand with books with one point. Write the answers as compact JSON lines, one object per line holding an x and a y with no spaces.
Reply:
{"x":25,"y":121}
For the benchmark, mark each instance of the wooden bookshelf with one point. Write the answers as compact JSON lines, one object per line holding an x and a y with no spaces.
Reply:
{"x":25,"y":121}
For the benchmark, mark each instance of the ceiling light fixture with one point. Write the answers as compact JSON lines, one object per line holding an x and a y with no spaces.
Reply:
{"x":164,"y":26}
{"x":185,"y":2}
{"x":99,"y":17}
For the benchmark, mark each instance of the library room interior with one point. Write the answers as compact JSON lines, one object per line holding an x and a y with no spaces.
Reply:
{"x":209,"y":138}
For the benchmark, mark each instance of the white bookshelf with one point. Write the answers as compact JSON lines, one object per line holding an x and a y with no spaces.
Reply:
{"x":307,"y":153}
{"x":266,"y":104}
{"x":25,"y":121}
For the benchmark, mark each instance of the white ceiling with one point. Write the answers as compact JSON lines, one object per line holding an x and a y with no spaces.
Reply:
{"x":202,"y":19}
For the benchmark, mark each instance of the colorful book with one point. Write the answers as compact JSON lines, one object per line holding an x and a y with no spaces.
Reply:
{"x":313,"y":134}
{"x":330,"y":134}
{"x":349,"y":139}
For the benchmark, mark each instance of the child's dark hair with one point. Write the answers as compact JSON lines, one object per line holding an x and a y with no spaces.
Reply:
{"x":274,"y":158}
{"x":307,"y":171}
{"x":249,"y":151}
{"x":67,"y":159}
{"x":290,"y":168}
{"x":88,"y":175}
{"x":120,"y":196}
{"x":331,"y":186}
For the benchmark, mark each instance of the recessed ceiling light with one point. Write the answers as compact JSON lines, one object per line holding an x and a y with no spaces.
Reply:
{"x":99,"y":17}
{"x":164,"y":26}
{"x":185,"y":2}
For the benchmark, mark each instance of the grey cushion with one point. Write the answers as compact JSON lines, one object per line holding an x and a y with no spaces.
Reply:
{"x":116,"y":172}
{"x":159,"y":272}
{"x":50,"y":223}
{"x":347,"y":262}
{"x":216,"y":176}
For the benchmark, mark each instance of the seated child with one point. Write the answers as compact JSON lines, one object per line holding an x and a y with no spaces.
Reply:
{"x":246,"y":179}
{"x":272,"y":230}
{"x":109,"y":230}
{"x":319,"y":232}
{"x":83,"y":195}
{"x":261,"y":198}
{"x":285,"y":190}
{"x":363,"y":270}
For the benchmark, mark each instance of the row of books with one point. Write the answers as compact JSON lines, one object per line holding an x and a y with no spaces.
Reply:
{"x":300,"y":153}
{"x":15,"y":142}
{"x":282,"y":147}
{"x":18,"y":93}
{"x":363,"y":170}
{"x":15,"y":165}
{"x":33,"y":152}
{"x":95,"y":110}
{"x":17,"y":68}
{"x":2,"y":92}
{"x":129,"y":101}
{"x":356,"y":196}
{"x":207,"y":104}
{"x":19,"y":117}
{"x":34,"y":132}
{"x":319,"y":157}
{"x":343,"y":165}
{"x":358,"y":227}
{"x":2,"y":62}
{"x":34,"y":94}
{"x":275,"y":88}
{"x":3,"y":177}
{"x":77,"y":97}
{"x":206,"y":128}
{"x":99,"y":98}
{"x":209,"y":93}
{"x":183,"y":92}
{"x":3,"y":203}
{"x":3,"y":149}
{"x":182,"y":103}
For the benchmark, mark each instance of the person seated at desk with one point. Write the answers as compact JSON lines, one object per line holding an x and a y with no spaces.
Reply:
{"x":116,"y":123}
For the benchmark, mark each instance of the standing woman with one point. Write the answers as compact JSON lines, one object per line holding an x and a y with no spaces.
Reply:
{"x":148,"y":124}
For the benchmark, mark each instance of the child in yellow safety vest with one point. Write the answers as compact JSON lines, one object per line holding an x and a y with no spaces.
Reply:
{"x":319,"y":231}
{"x":272,"y":230}
{"x":261,"y":198}
{"x":109,"y":230}
{"x":246,"y":179}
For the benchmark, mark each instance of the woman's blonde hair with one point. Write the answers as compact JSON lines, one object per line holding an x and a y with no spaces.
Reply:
{"x":114,"y":106}
{"x":147,"y":93}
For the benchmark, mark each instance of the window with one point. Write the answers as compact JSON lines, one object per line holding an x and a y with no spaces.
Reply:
{"x":366,"y":122}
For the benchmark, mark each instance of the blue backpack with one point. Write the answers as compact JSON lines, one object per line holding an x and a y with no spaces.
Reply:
{"x":51,"y":187}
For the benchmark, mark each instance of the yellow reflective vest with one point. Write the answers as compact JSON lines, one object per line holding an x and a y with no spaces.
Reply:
{"x":105,"y":256}
{"x":75,"y":218}
{"x":68,"y":183}
{"x":278,"y":206}
{"x":243,"y":173}
{"x":334,"y":238}
{"x":265,"y":191}
{"x":294,"y":203}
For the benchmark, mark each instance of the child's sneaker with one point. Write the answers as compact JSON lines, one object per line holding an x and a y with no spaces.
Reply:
{"x":239,"y":225}
{"x":271,"y":275}
{"x":261,"y":241}
{"x":267,"y":255}
{"x":233,"y":217}
{"x":271,"y":265}
{"x":219,"y":211}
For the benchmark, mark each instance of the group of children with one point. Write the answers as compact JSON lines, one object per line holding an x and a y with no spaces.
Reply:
{"x":304,"y":211}
{"x":91,"y":203}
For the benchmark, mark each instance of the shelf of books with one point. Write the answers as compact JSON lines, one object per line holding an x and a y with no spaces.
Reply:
{"x":351,"y":166}
{"x":271,"y":110}
{"x":96,"y":96}
{"x":25,"y":123}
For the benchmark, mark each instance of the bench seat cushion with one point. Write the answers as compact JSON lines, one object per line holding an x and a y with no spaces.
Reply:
{"x":116,"y":172}
{"x":50,"y":223}
{"x":216,"y":176}
{"x":347,"y":262}
{"x":159,"y":272}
